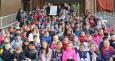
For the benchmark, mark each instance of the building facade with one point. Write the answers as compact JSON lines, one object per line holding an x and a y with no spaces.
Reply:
{"x":9,"y":7}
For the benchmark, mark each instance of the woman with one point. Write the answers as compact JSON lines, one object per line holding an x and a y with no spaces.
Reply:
{"x":69,"y":54}
{"x":94,"y":53}
{"x":45,"y":52}
{"x":57,"y":52}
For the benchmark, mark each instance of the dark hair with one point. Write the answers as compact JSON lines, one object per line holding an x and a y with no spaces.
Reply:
{"x":47,"y":49}
{"x":58,"y":42}
{"x":105,"y":38}
{"x":35,"y":36}
{"x":31,"y":43}
{"x":0,"y":30}
{"x":70,"y":60}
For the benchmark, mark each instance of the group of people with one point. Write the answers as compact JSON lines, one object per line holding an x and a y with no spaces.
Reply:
{"x":39,"y":36}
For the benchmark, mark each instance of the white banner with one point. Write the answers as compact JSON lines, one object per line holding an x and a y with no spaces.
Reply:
{"x":53,"y":10}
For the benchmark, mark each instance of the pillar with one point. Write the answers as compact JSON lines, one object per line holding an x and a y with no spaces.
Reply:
{"x":90,"y":5}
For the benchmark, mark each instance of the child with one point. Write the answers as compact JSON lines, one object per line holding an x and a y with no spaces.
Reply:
{"x":1,"y":36}
{"x":36,"y":41}
{"x":94,"y":53}
{"x":57,"y":52}
{"x":18,"y":54}
{"x":107,"y":51}
{"x":88,"y":42}
{"x":55,"y":40}
{"x":45,"y":52}
{"x":96,"y":38}
{"x":25,"y":44}
{"x":82,"y":37}
{"x":76,"y":42}
{"x":69,"y":54}
{"x":31,"y":52}
{"x":47,"y":37}
{"x":7,"y":54}
{"x":112,"y":41}
{"x":65,"y":42}
{"x":83,"y":55}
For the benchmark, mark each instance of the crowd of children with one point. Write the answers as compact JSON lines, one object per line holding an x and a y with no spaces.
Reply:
{"x":39,"y":36}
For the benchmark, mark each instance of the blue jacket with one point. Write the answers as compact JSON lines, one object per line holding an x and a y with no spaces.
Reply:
{"x":48,"y":39}
{"x":7,"y":55}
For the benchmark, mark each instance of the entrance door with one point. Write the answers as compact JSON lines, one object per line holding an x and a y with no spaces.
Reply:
{"x":82,"y":6}
{"x":26,"y":5}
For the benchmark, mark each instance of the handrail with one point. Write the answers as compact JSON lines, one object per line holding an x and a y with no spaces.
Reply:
{"x":9,"y":18}
{"x":8,"y":25}
{"x":7,"y":15}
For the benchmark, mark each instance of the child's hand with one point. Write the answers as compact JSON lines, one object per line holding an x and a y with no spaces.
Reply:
{"x":94,"y":55}
{"x":15,"y":59}
{"x":29,"y":59}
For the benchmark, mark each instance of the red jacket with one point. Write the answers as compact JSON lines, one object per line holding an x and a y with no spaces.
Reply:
{"x":82,"y":39}
{"x":36,"y":17}
{"x":64,"y":46}
{"x":104,"y":51}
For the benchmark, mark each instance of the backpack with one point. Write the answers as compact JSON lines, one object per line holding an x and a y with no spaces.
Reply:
{"x":1,"y":51}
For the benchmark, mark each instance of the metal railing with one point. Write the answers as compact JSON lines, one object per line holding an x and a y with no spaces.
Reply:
{"x":8,"y":20}
{"x":106,"y":16}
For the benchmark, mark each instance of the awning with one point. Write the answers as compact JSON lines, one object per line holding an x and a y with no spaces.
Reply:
{"x":106,"y":5}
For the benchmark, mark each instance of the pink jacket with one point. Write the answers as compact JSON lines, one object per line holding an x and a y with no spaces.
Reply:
{"x":97,"y":39}
{"x":1,"y":39}
{"x":69,"y":53}
{"x":53,"y":45}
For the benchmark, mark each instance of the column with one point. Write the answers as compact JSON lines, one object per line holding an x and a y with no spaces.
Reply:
{"x":90,"y":5}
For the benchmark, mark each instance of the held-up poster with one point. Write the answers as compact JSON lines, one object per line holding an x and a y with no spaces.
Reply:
{"x":53,"y":10}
